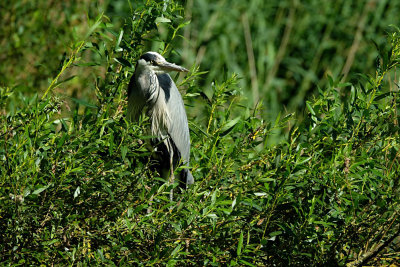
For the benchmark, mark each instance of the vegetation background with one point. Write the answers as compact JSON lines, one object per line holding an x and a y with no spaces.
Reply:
{"x":295,"y":153}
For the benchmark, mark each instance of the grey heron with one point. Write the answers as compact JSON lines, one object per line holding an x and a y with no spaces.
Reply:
{"x":151,"y":90}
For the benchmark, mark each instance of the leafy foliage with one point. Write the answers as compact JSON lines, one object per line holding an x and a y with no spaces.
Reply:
{"x":75,"y":186}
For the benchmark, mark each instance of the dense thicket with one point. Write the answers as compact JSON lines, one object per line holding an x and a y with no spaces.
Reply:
{"x":75,"y":183}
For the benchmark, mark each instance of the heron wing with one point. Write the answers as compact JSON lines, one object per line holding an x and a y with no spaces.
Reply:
{"x":178,"y":129}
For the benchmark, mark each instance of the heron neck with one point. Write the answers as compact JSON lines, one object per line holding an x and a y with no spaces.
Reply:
{"x":147,"y":83}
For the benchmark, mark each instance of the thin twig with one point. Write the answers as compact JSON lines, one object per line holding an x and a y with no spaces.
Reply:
{"x":283,"y":45}
{"x":64,"y":67}
{"x":357,"y":38}
{"x":374,"y":251}
{"x":250,"y":57}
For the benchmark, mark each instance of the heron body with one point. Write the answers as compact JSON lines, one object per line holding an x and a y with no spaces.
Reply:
{"x":151,"y":90}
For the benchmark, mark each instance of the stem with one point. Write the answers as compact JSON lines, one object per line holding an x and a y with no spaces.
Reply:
{"x":65,"y":66}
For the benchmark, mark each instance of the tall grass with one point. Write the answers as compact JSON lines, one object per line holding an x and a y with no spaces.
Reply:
{"x":283,"y":50}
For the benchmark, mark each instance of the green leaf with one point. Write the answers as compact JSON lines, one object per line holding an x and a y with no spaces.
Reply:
{"x":214,"y":198}
{"x":117,"y":44}
{"x":64,"y":81}
{"x":212,"y":216}
{"x":233,"y":203}
{"x":95,"y":25}
{"x":382,"y":96}
{"x":240,"y":244}
{"x":247,"y":263}
{"x":308,"y":103}
{"x":50,"y":242}
{"x":83,"y":103}
{"x":276,"y":233}
{"x":124,"y":150}
{"x":41,"y":189}
{"x":123,"y":62}
{"x":176,"y":250}
{"x":77,"y":192}
{"x":228,"y":127}
{"x":162,"y":20}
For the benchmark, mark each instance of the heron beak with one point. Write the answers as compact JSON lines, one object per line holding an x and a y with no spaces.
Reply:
{"x":171,"y":67}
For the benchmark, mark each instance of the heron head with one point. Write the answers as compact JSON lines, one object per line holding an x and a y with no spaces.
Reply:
{"x":157,"y":63}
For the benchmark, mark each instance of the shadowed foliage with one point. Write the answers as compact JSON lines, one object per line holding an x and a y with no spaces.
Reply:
{"x":75,"y":176}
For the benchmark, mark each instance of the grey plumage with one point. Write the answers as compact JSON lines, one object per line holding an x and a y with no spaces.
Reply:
{"x":152,"y":90}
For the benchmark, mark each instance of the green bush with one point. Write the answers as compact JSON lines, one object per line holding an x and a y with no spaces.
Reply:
{"x":75,"y":186}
